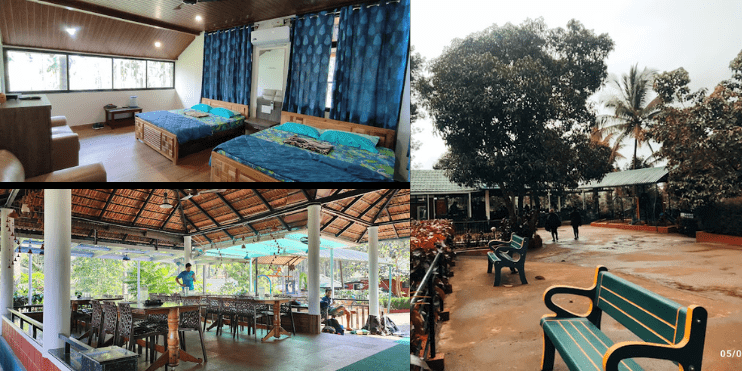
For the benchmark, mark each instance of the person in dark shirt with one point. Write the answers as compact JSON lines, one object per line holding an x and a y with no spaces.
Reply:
{"x":576,"y":221}
{"x":326,"y":302}
{"x":552,"y":223}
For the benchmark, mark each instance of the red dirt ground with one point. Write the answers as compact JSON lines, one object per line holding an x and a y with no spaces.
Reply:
{"x":497,"y":328}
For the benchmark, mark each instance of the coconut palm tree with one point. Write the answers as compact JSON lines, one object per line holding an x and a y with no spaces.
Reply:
{"x":599,"y":137}
{"x":632,"y":108}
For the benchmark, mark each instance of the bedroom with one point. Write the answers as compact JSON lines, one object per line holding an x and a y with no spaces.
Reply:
{"x":270,"y":62}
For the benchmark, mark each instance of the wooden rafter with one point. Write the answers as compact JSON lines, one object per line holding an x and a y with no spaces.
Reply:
{"x":208,"y":216}
{"x":289,"y":209}
{"x":172,"y":212}
{"x":383,"y":207}
{"x":393,"y":226}
{"x":108,"y":202}
{"x":11,"y":198}
{"x":239,"y":216}
{"x":144,"y":205}
{"x":306,"y":194}
{"x":270,"y":208}
{"x":344,"y":209}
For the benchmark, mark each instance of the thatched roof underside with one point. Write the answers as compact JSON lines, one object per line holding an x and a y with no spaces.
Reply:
{"x":215,"y":217}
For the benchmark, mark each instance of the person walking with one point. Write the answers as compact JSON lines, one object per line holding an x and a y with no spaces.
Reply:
{"x":576,"y":221}
{"x":553,"y":222}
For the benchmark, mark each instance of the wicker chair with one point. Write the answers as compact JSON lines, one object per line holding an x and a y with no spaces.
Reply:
{"x":246,"y":311}
{"x":191,"y":321}
{"x":229,"y":309}
{"x":214,"y":307}
{"x":95,"y":322}
{"x":110,"y":321}
{"x":131,"y":331}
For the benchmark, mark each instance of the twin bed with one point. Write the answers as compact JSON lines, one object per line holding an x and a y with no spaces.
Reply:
{"x":263,"y":156}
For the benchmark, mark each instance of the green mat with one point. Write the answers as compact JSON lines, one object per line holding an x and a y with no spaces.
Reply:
{"x":404,"y":341}
{"x":394,"y":358}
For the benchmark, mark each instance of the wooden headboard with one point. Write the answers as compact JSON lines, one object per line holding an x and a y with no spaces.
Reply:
{"x":388,"y":136}
{"x":241,"y":108}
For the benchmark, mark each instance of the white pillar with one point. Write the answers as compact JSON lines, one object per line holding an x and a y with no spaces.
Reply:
{"x":251,"y":284}
{"x":57,"y":239}
{"x":313,"y":214}
{"x":332,"y":272}
{"x":139,"y":287}
{"x":6,"y":256}
{"x":187,"y":250}
{"x":30,"y":281}
{"x":203,"y":278}
{"x":469,"y":208}
{"x":487,"y":203}
{"x":373,"y":271}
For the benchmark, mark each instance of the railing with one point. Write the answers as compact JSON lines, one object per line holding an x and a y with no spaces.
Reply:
{"x":475,"y":226}
{"x":35,"y":327}
{"x":30,"y":308}
{"x":427,"y":290}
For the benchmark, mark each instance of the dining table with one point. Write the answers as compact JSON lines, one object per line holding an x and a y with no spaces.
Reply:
{"x":277,"y":330}
{"x":172,"y":355}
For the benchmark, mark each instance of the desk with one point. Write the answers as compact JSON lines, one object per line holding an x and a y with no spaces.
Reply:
{"x":173,"y":354}
{"x":111,"y":112}
{"x":254,"y":125}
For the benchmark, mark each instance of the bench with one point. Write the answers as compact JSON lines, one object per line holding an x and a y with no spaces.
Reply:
{"x":669,"y":330}
{"x":504,"y":256}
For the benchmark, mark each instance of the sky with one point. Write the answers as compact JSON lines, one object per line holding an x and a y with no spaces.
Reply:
{"x":700,"y":36}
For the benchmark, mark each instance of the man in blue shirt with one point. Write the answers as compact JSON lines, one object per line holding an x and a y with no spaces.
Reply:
{"x":326,"y":302}
{"x":187,"y":276}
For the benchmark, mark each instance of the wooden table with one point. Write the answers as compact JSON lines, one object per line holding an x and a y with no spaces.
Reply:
{"x":277,"y":330}
{"x":173,"y":354}
{"x":25,"y":131}
{"x":111,"y":112}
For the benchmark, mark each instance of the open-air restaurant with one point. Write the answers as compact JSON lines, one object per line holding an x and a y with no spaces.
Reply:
{"x":204,"y":279}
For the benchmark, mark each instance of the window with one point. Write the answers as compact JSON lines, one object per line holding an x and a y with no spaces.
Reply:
{"x":31,"y":71}
{"x":331,"y":74}
{"x":129,"y":74}
{"x":90,"y":73}
{"x":159,"y":74}
{"x":28,"y":71}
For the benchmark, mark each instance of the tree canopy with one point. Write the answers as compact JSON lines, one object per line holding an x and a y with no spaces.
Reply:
{"x":511,"y":104}
{"x":701,"y":139}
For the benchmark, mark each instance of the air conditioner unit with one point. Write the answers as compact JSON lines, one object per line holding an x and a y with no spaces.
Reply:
{"x":276,"y":35}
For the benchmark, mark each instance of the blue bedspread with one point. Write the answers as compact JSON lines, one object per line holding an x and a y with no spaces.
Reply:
{"x":297,"y":164}
{"x":184,"y":127}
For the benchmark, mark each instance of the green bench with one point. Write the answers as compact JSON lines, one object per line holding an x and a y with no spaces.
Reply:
{"x":504,"y":256}
{"x":669,"y":330}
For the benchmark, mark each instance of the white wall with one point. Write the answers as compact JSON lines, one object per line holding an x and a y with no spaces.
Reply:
{"x":403,"y":132}
{"x":87,"y":108}
{"x":2,"y":66}
{"x":188,"y":73}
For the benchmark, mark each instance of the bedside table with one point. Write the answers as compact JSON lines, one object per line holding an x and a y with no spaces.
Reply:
{"x":254,"y":125}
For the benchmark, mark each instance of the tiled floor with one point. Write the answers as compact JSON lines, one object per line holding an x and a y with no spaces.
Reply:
{"x":300,"y":352}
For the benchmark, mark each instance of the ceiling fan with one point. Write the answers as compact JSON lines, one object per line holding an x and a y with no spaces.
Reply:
{"x":201,"y":192}
{"x":190,"y":2}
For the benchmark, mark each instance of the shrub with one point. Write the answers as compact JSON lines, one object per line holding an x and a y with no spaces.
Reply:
{"x":722,"y":217}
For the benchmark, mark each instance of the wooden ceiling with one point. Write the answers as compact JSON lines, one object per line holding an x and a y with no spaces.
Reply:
{"x":216,"y":14}
{"x":216,"y":219}
{"x":30,"y":24}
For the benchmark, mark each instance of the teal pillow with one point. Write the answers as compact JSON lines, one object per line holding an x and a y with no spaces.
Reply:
{"x":294,"y":127}
{"x":373,"y":138}
{"x":223,"y":112}
{"x":348,"y":139}
{"x":202,"y":107}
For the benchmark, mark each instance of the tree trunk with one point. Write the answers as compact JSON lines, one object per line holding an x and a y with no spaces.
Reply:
{"x":342,"y":283}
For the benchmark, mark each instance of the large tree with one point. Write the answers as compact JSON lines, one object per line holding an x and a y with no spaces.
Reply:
{"x":701,"y":137}
{"x":511,"y":104}
{"x":633,"y":111}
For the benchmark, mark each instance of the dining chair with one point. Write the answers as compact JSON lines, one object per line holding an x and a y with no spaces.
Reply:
{"x":191,"y":321}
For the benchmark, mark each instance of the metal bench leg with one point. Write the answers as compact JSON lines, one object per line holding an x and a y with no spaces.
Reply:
{"x":489,"y":265}
{"x":522,"y":275}
{"x":547,"y":362}
{"x":498,"y":268}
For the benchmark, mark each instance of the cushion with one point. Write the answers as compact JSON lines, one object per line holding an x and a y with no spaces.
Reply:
{"x":294,"y":127}
{"x":373,"y":138}
{"x":223,"y":112}
{"x":202,"y":107}
{"x":348,"y":139}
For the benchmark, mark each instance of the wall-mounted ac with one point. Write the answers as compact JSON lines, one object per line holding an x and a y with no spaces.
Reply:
{"x":276,"y":35}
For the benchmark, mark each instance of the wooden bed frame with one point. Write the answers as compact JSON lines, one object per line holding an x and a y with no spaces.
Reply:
{"x":225,"y":169}
{"x":166,"y":143}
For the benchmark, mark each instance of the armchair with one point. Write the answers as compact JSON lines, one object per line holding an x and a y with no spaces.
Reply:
{"x":11,"y":170}
{"x":65,"y":145}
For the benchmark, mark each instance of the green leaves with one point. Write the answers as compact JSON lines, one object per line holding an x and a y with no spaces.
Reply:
{"x":511,"y":104}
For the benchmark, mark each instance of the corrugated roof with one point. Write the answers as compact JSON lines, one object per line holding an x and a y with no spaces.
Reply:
{"x":434,"y":182}
{"x":650,"y":175}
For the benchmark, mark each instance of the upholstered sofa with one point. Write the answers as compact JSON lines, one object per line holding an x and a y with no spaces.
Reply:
{"x":11,"y":170}
{"x":65,"y":145}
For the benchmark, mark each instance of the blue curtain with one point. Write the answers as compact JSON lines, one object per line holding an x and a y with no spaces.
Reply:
{"x":371,"y":59}
{"x":306,"y":88}
{"x":227,"y":65}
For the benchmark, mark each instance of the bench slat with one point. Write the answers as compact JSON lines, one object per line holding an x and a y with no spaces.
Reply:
{"x":581,"y":344}
{"x":648,"y":315}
